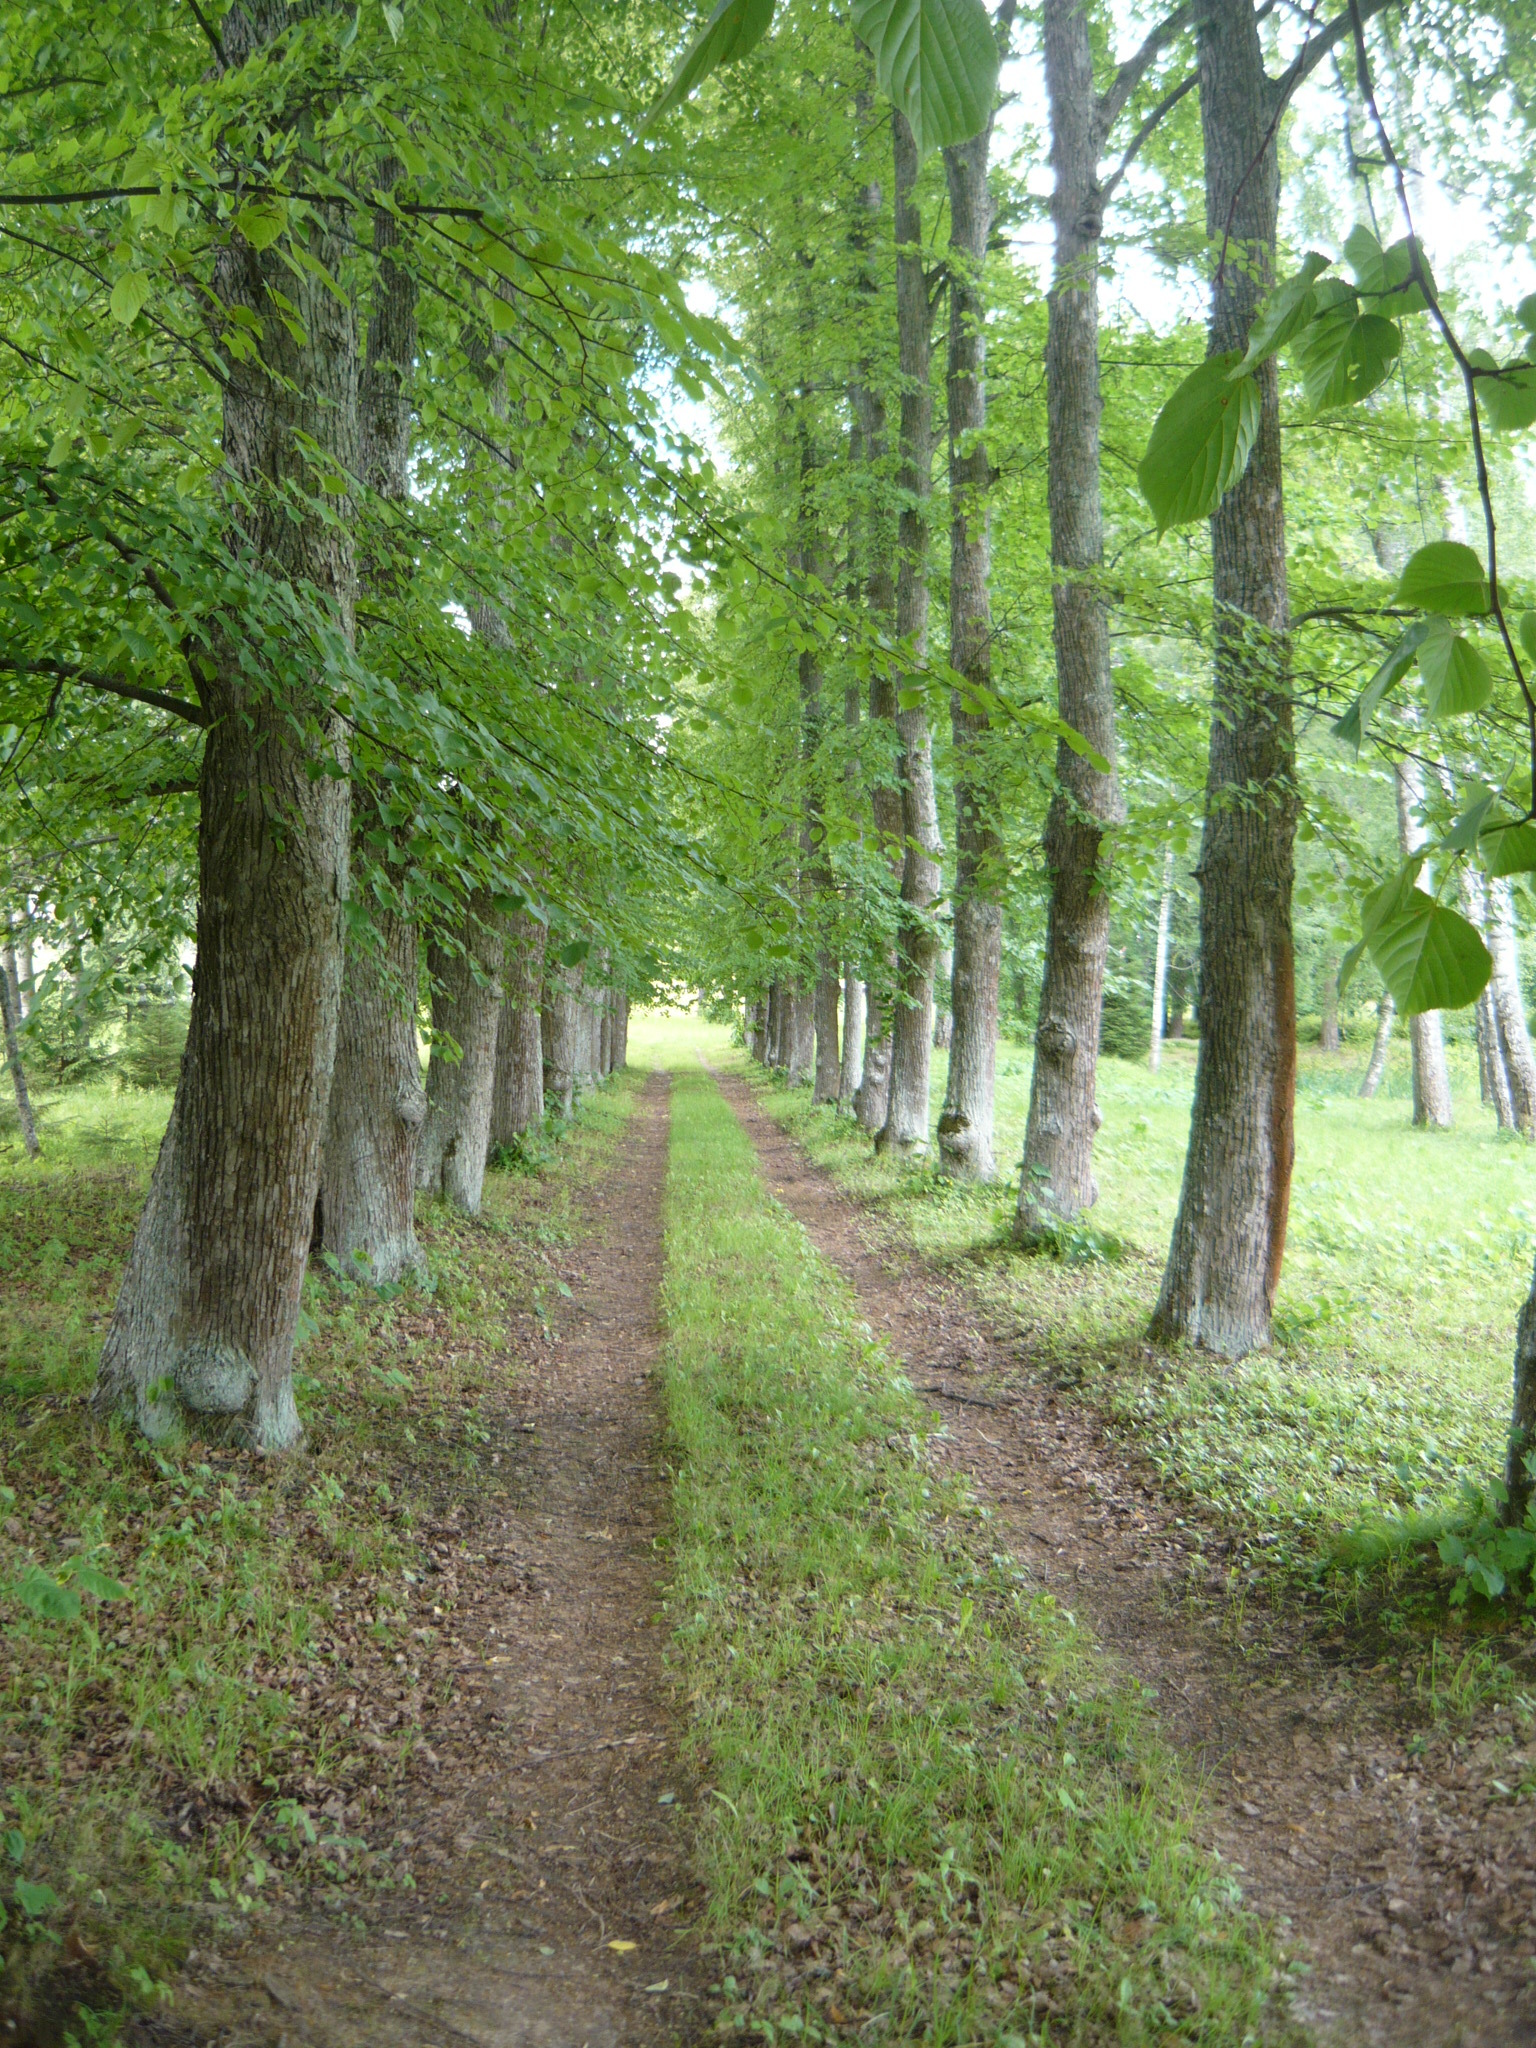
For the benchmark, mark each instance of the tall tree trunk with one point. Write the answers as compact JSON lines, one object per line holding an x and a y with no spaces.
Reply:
{"x":8,"y":1015}
{"x":800,"y":1023}
{"x":966,"y":1121}
{"x":1057,"y":1174}
{"x":828,"y":1053}
{"x":466,"y":1007}
{"x":366,"y":1216}
{"x":873,"y":1092}
{"x":517,"y":1099}
{"x":1509,"y":1008}
{"x":906,"y":1117}
{"x":1431,"y":1077}
{"x":944,"y":999}
{"x":205,"y":1319}
{"x":853,"y":1036}
{"x":1328,"y":1028}
{"x":1160,"y":962}
{"x":757,"y":1031}
{"x":1376,"y":1066}
{"x":621,"y":1040}
{"x":560,"y":1028}
{"x":1229,"y":1239}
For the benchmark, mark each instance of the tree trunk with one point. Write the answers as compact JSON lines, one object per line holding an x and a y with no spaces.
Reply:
{"x":366,"y":1214}
{"x":8,"y":1014}
{"x":517,"y":1098}
{"x":853,"y":1037}
{"x":621,"y":1039}
{"x":828,"y":1054}
{"x":1160,"y":962}
{"x":966,"y":1121}
{"x":1328,"y":1029}
{"x":800,"y":1030}
{"x":560,"y":1025}
{"x":1509,"y":1008}
{"x":1056,"y":1179}
{"x":1386,"y":1011}
{"x":1431,"y":1077}
{"x":1522,"y":1428}
{"x":205,"y":1319}
{"x":873,"y":1093}
{"x":944,"y":1000}
{"x":466,"y":1007}
{"x":1229,"y":1239}
{"x":757,"y":1031}
{"x":605,"y":1035}
{"x":906,"y":1117}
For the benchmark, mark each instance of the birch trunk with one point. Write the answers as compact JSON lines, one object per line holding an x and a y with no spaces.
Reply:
{"x":1514,"y":1038}
{"x":466,"y":1007}
{"x":1056,"y":1179}
{"x":9,"y":1006}
{"x":1160,"y":963}
{"x":1328,"y":1028}
{"x":204,"y":1323}
{"x":517,"y":1097}
{"x":1431,"y":1077}
{"x":905,"y":1131}
{"x":1229,"y":1239}
{"x":853,"y":1037}
{"x":1376,"y":1066}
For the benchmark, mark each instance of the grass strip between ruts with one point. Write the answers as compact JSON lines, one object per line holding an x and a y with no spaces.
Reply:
{"x":928,"y":1815}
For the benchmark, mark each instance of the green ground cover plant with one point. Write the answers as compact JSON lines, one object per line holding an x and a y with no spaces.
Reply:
{"x":929,"y":1815}
{"x":192,"y":1638}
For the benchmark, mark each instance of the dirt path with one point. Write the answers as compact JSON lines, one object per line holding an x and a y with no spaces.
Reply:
{"x":548,"y":1822}
{"x":1408,"y":1874}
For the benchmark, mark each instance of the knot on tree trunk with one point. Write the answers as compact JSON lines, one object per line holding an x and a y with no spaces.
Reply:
{"x":1057,"y":1039}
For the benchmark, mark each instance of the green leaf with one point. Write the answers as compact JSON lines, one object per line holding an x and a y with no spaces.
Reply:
{"x":573,"y":954}
{"x":735,"y":28}
{"x":1430,"y":957}
{"x":1349,"y":963}
{"x":1509,"y":850}
{"x":1468,"y":827}
{"x":45,"y":1597}
{"x":1525,"y":312}
{"x":1343,"y":354}
{"x":262,"y":223}
{"x":394,"y":21}
{"x":35,"y":1899}
{"x":1444,"y":577}
{"x":1200,"y":443}
{"x":128,"y":297}
{"x":937,"y":61}
{"x":1506,"y":401}
{"x":1456,"y":676}
{"x":1288,"y":308}
{"x":1351,"y":727}
{"x":97,"y":1584}
{"x":1386,"y":275}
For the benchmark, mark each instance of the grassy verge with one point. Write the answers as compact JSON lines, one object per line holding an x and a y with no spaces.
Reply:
{"x":928,"y":1817}
{"x":219,"y":1714}
{"x":1375,"y":1423}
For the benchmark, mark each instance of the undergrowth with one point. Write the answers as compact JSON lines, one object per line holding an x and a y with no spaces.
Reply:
{"x":210,"y":1660}
{"x":930,"y":1816}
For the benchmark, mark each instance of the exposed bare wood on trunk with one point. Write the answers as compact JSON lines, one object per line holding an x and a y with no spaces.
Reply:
{"x":905,"y":1131}
{"x":1229,"y":1239}
{"x":204,"y":1323}
{"x":517,"y":1101}
{"x":466,"y":1008}
{"x":1057,"y":1175}
{"x":377,"y":1105}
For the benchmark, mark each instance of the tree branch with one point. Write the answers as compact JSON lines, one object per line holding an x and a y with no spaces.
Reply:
{"x":1164,"y":107}
{"x":1316,"y":48}
{"x":1112,"y":103}
{"x":114,"y":686}
{"x":210,"y":32}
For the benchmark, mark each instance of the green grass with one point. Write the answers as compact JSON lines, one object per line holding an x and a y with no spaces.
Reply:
{"x":185,"y":1753}
{"x":928,"y":1815}
{"x":1382,"y":1409}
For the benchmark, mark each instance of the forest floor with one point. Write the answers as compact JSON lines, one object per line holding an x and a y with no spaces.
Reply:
{"x":704,"y":1614}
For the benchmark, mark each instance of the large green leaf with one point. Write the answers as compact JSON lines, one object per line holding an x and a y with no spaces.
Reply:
{"x":45,"y":1597}
{"x":1343,"y":353}
{"x":1288,"y":309}
{"x":1385,"y":275}
{"x":1528,"y":634}
{"x":1456,"y":677}
{"x":735,"y":27}
{"x":1430,"y":957}
{"x":937,"y":61}
{"x":1201,"y":441}
{"x":1506,"y":397}
{"x":1444,"y":577}
{"x":1509,"y":850}
{"x":1351,"y":727}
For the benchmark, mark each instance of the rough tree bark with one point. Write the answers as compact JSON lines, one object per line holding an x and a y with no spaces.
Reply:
{"x":905,"y":1131}
{"x":853,"y":1037}
{"x":1376,"y":1066}
{"x":561,"y":1026}
{"x":366,"y":1213}
{"x":621,"y":1034}
{"x":1056,"y":1178}
{"x":1160,"y":963}
{"x":1229,"y":1239}
{"x":757,"y":1031}
{"x":517,"y":1098}
{"x":466,"y":1007}
{"x":828,"y":1052}
{"x":204,"y":1322}
{"x":9,"y":1009}
{"x":800,"y":1034}
{"x":966,"y":1121}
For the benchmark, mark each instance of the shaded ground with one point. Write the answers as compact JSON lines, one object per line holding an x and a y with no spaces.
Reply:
{"x":544,"y":1819}
{"x":1403,"y":1859}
